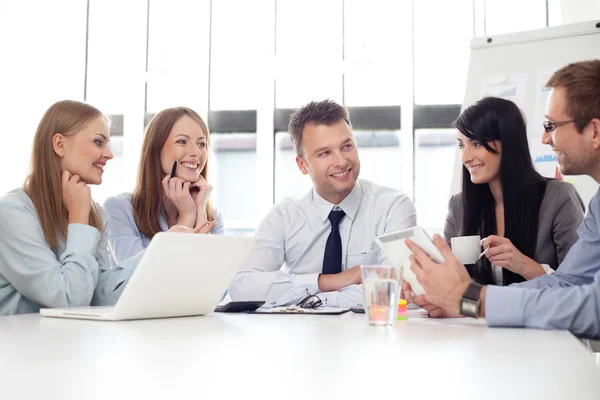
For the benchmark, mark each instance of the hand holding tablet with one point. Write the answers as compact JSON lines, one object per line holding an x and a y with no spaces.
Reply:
{"x":393,"y":246}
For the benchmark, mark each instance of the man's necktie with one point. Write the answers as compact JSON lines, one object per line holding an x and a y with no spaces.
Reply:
{"x":332,"y":260}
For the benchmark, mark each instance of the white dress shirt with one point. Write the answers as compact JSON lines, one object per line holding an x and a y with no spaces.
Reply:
{"x":285,"y":263}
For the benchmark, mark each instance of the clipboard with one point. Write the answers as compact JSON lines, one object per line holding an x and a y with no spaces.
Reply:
{"x":301,"y":311}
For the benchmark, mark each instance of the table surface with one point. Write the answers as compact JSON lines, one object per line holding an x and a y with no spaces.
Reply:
{"x":289,"y":357}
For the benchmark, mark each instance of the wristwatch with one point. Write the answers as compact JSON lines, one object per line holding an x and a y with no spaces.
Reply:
{"x":470,"y":302}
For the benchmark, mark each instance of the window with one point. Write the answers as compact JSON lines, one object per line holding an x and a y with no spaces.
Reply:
{"x":308,"y":52}
{"x":233,"y":171}
{"x":435,"y":161}
{"x":178,"y":45}
{"x":115,"y":84}
{"x":241,"y":59}
{"x":443,"y":31}
{"x":501,"y":16}
{"x":241,"y":52}
{"x":43,"y":62}
{"x":377,"y":38}
{"x":381,"y":158}
{"x":555,"y":13}
{"x":380,"y":162}
{"x":264,"y":58}
{"x":289,"y":181}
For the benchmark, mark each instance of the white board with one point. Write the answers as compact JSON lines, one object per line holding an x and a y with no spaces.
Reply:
{"x":516,"y":66}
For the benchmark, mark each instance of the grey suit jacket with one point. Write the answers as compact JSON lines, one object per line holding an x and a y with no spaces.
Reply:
{"x":561,"y":213}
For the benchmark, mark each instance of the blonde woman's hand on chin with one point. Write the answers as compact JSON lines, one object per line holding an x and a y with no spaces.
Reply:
{"x":203,"y":229}
{"x":77,"y":198}
{"x":177,"y":192}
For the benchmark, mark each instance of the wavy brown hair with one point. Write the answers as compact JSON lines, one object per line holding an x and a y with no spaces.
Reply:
{"x":44,"y":183}
{"x":146,"y":197}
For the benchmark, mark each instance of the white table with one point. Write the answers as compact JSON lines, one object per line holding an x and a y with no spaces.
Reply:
{"x":240,"y":356}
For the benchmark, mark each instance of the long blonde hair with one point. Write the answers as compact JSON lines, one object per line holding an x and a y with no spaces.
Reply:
{"x":146,"y":197}
{"x":44,"y":183}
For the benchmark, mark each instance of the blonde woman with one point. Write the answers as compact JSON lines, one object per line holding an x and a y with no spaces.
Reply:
{"x":53,"y":237}
{"x":171,"y":189}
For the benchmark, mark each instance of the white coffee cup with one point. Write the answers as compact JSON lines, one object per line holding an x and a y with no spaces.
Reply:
{"x":466,"y":248}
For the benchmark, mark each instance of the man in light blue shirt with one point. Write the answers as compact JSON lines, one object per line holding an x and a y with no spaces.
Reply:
{"x":314,"y":244}
{"x":570,"y":297}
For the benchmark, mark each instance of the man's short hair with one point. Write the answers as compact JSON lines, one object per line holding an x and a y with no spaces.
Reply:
{"x":581,"y":81}
{"x":326,"y":112}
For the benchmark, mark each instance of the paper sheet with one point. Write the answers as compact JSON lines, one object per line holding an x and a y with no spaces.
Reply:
{"x":510,"y":87}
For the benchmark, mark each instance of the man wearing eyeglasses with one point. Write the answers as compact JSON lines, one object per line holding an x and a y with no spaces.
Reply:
{"x":570,"y":297}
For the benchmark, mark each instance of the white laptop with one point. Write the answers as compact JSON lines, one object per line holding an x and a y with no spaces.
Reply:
{"x":180,"y":274}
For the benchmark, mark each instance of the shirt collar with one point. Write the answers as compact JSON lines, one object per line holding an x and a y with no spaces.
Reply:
{"x":349,"y":205}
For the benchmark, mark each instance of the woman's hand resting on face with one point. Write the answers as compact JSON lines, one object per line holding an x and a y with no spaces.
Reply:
{"x":77,"y":198}
{"x":178,"y":194}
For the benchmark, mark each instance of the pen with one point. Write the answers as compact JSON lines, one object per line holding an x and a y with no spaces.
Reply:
{"x":174,"y":169}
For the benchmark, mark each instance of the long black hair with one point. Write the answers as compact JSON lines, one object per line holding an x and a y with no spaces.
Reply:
{"x":496,"y":119}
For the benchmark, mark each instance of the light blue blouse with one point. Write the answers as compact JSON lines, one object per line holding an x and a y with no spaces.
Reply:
{"x":77,"y":272}
{"x":124,"y":238}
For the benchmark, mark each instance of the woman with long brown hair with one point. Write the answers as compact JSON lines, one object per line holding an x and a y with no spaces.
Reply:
{"x":171,"y":188}
{"x":53,"y":241}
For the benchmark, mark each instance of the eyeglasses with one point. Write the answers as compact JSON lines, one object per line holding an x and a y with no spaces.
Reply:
{"x":550,"y":126}
{"x":310,"y":301}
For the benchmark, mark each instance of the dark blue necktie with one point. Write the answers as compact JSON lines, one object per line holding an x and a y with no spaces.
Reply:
{"x":332,"y":261}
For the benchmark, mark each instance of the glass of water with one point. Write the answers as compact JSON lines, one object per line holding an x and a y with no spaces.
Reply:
{"x":381,"y":288}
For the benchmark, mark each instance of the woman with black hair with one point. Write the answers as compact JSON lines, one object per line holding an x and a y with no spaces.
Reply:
{"x":528,"y":222}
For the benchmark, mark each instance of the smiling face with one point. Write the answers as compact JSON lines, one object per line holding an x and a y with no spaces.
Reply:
{"x":483,"y":165}
{"x":186,"y":144}
{"x":330,"y":157}
{"x":85,"y":153}
{"x":573,"y":149}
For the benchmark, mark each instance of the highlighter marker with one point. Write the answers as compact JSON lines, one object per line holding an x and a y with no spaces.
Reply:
{"x":174,"y":170}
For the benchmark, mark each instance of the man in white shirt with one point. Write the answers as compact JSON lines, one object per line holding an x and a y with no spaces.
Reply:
{"x":313,"y":245}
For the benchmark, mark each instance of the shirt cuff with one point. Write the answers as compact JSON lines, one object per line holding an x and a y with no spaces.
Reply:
{"x":306,"y":284}
{"x":329,"y":299}
{"x":547,"y":269}
{"x":504,"y":306}
{"x":82,"y":237}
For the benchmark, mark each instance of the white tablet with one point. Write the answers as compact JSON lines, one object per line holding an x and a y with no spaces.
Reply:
{"x":392,"y":245}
